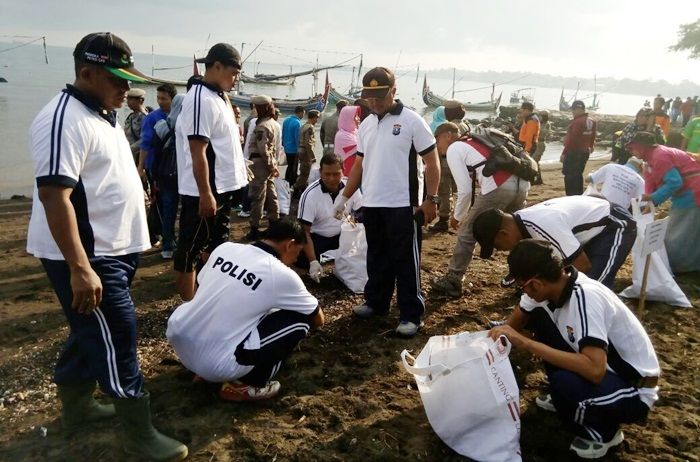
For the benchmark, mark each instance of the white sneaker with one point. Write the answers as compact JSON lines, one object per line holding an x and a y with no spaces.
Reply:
{"x":408,"y":329}
{"x":545,"y":402}
{"x":243,"y":214}
{"x":167,"y":254}
{"x":588,"y":449}
{"x":237,"y":391}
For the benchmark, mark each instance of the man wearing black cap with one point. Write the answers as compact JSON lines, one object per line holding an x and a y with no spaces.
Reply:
{"x":210,"y":165}
{"x":601,"y":364}
{"x":390,"y":145}
{"x":591,"y":234}
{"x":88,"y":225}
{"x":578,"y":146}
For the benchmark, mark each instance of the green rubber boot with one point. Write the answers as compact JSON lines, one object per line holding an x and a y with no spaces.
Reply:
{"x":80,"y":407}
{"x":142,"y":439}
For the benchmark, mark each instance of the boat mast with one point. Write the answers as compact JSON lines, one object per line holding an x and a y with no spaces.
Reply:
{"x":454,"y":71}
{"x":153,"y":61}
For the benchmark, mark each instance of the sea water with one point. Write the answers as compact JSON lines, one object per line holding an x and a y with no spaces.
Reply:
{"x":32,"y":84}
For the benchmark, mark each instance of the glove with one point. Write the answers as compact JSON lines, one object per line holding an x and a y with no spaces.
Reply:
{"x":339,"y":209}
{"x":315,"y":271}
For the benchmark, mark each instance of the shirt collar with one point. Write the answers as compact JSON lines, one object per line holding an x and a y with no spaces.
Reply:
{"x":568,"y":289}
{"x":267,"y":248}
{"x":92,"y":104}
{"x":325,"y":190}
{"x":396,"y":110}
{"x":213,"y":88}
{"x":521,"y":226}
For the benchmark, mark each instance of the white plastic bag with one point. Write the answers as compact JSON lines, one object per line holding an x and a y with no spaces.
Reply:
{"x":351,"y":259}
{"x":284,"y":196}
{"x":661,"y":286}
{"x":469,"y":394}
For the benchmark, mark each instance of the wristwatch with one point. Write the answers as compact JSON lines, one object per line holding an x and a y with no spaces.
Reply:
{"x":434,"y":199}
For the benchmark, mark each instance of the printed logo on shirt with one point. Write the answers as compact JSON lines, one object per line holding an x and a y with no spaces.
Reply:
{"x":396,"y":130}
{"x":570,"y":334}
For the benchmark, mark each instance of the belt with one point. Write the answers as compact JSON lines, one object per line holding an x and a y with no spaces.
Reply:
{"x":647,"y":382}
{"x":253,"y":155}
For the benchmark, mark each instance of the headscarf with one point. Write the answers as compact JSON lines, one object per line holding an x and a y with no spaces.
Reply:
{"x":346,"y":136}
{"x":438,"y":118}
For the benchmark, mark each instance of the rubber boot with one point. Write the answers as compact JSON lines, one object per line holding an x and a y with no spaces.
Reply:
{"x":80,"y":407}
{"x":142,"y":439}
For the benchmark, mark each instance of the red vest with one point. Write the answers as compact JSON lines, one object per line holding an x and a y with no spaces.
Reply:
{"x":500,"y":177}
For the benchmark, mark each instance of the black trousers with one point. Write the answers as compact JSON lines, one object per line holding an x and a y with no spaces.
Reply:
{"x":608,"y":250}
{"x":572,"y":168}
{"x":321,"y":244}
{"x":198,"y":234}
{"x":279,"y":332}
{"x":393,"y":259}
{"x":292,"y":166}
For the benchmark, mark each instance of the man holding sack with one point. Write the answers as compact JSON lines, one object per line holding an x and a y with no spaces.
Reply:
{"x":601,"y":365}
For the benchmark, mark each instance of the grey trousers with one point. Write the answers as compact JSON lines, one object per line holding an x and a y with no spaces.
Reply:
{"x":509,"y":197}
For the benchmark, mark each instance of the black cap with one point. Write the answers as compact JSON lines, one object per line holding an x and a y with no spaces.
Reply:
{"x":578,"y":104}
{"x":224,"y":53}
{"x":377,"y":82}
{"x":108,"y":50}
{"x":485,"y":228}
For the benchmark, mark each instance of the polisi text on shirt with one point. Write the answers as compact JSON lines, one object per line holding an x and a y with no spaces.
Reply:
{"x":247,"y":278}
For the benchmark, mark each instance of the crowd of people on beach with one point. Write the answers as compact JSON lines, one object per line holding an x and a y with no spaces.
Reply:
{"x":245,"y":305}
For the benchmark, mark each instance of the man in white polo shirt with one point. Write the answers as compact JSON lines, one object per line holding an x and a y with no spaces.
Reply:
{"x":88,"y":225}
{"x":391,"y":142}
{"x":466,"y":158}
{"x":249,"y":312}
{"x":601,"y":365}
{"x":589,"y":233}
{"x":210,"y":164}
{"x":317,"y":214}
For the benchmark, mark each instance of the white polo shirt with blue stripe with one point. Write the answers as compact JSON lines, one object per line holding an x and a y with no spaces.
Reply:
{"x":76,"y":144}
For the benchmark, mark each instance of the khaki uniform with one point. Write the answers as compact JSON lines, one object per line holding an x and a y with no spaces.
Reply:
{"x":447,"y":187}
{"x":307,"y":141}
{"x":329,"y":127}
{"x":132,"y":130}
{"x":263,"y":153}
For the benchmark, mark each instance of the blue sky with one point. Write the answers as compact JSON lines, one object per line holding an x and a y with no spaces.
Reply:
{"x":618,"y":38}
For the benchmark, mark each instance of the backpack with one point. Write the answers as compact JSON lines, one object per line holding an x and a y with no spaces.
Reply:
{"x":506,"y":154}
{"x":165,"y":157}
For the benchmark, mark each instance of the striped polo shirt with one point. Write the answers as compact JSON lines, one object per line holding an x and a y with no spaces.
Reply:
{"x":76,"y":144}
{"x":207,"y":115}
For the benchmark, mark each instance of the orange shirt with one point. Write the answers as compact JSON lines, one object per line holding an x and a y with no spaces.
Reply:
{"x":529,"y":133}
{"x":664,"y":122}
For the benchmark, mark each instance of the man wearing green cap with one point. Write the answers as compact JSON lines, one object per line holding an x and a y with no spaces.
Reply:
{"x":88,"y":225}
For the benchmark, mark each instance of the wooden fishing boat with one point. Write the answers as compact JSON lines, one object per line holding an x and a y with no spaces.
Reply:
{"x":432,"y":100}
{"x":267,"y":79}
{"x":317,"y":102}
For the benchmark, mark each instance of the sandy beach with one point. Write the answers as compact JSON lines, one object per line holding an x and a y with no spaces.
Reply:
{"x":345,"y":396}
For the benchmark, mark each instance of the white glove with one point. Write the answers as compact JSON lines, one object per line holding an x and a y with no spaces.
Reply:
{"x":339,"y":209}
{"x":315,"y":271}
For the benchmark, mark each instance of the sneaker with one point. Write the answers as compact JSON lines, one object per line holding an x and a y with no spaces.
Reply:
{"x":588,"y":449}
{"x":243,"y":214}
{"x":408,"y":329}
{"x":364,"y":311}
{"x":237,"y":391}
{"x":545,"y":402}
{"x":490,"y":324}
{"x":441,"y":226}
{"x":167,"y":254}
{"x":447,"y":285}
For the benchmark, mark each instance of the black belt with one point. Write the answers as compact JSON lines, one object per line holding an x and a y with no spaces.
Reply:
{"x":254,"y":155}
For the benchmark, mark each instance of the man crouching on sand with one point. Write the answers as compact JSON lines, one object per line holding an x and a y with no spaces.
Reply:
{"x":601,"y":365}
{"x":247,"y":315}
